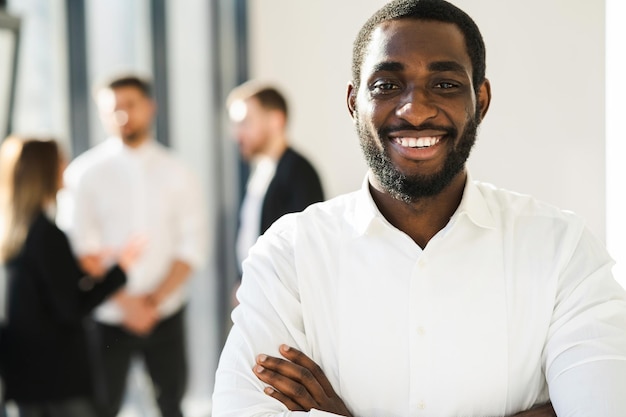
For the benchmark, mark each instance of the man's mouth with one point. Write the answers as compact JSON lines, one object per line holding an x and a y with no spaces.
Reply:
{"x":421,"y":142}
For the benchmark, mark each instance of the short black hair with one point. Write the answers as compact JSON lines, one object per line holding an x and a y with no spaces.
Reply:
{"x":133,"y":81}
{"x":437,"y":10}
{"x":268,"y":96}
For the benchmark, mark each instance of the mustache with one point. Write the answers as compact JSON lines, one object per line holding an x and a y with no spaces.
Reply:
{"x":386,"y":131}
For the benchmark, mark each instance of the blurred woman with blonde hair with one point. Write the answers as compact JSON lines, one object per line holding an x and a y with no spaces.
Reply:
{"x":43,"y":348}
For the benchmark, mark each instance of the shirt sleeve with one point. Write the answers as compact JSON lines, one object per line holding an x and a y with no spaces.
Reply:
{"x":269,"y":314}
{"x":60,"y":276}
{"x":585,"y":353}
{"x":85,"y":232}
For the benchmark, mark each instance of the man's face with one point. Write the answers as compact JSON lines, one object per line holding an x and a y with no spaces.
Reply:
{"x":251,"y":127}
{"x":416,"y":110}
{"x":126,"y":112}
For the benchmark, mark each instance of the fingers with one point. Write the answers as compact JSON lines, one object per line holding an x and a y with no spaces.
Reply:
{"x":298,"y":382}
{"x":300,"y":368}
{"x":290,"y":381}
{"x":141,"y":325}
{"x":140,"y":316}
{"x":289,"y":403}
{"x":543,"y":411}
{"x":131,"y":252}
{"x":92,"y":265}
{"x":297,"y":357}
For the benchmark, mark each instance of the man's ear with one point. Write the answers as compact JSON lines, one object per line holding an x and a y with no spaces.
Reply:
{"x":351,"y":99}
{"x":276,"y":120}
{"x":484,"y":98}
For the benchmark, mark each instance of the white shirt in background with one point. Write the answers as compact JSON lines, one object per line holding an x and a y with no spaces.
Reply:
{"x":511,"y":304}
{"x":261,"y":176}
{"x":119,"y":192}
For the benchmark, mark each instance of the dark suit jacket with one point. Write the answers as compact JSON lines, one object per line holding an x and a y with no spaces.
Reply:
{"x":295,"y":186}
{"x":43,"y":345}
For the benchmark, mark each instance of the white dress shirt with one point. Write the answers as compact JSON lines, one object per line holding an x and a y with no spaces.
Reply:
{"x":120,"y":192}
{"x":512,"y":303}
{"x":263,"y":171}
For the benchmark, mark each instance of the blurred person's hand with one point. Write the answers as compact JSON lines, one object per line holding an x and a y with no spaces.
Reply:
{"x":93,"y":264}
{"x":131,"y":252}
{"x":140,"y":315}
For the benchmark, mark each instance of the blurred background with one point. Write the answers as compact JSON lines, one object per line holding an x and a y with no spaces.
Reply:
{"x":555,"y":126}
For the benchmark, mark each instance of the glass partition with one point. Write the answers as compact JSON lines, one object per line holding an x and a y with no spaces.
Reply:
{"x":9,"y":36}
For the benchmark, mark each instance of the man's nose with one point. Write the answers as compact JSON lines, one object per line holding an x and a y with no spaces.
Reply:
{"x":416,"y":107}
{"x":120,"y":117}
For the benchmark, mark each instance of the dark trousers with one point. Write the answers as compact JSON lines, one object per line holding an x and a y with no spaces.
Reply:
{"x":77,"y":407}
{"x":163,"y":352}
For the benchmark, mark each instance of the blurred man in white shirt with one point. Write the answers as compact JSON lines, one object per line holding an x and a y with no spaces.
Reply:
{"x":131,"y":186}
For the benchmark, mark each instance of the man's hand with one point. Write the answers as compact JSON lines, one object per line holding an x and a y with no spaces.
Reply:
{"x":301,"y":385}
{"x":131,"y":251}
{"x":93,"y":264}
{"x":140,"y":315}
{"x":543,"y":411}
{"x":298,"y":382}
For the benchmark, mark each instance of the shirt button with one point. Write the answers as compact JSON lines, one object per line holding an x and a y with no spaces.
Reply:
{"x":421,"y":405}
{"x":421,"y":331}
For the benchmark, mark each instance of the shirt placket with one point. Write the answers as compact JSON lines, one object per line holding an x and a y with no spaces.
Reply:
{"x":420,"y":339}
{"x":139,"y":188}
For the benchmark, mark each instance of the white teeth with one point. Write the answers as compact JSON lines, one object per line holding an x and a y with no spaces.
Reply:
{"x":423,"y":142}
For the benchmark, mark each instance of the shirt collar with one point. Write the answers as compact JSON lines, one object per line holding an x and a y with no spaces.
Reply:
{"x":142,"y":151}
{"x":473,"y":206}
{"x":366,"y":212}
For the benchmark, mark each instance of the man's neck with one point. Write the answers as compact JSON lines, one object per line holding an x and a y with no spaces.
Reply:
{"x":276,"y":148}
{"x":422,"y":219}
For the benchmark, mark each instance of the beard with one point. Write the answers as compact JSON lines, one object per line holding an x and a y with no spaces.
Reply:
{"x":129,"y":134}
{"x":411,"y":188}
{"x":134,"y":136}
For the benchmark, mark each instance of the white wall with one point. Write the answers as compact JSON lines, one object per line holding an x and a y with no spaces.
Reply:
{"x":544,"y":133}
{"x":615,"y":136}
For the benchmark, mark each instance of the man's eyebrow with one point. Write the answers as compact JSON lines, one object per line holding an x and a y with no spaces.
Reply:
{"x":437,"y":66}
{"x":441,"y":66}
{"x":391,"y":66}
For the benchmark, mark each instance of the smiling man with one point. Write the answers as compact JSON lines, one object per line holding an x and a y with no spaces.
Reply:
{"x":426,"y":292}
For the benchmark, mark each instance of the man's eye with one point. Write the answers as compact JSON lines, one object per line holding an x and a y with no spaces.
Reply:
{"x":383,"y":87}
{"x":444,"y":85}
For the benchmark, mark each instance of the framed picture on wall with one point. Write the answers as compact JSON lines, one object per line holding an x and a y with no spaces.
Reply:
{"x":9,"y":41}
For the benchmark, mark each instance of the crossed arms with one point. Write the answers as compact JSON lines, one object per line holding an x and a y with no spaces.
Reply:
{"x":355,"y":332}
{"x":301,"y":385}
